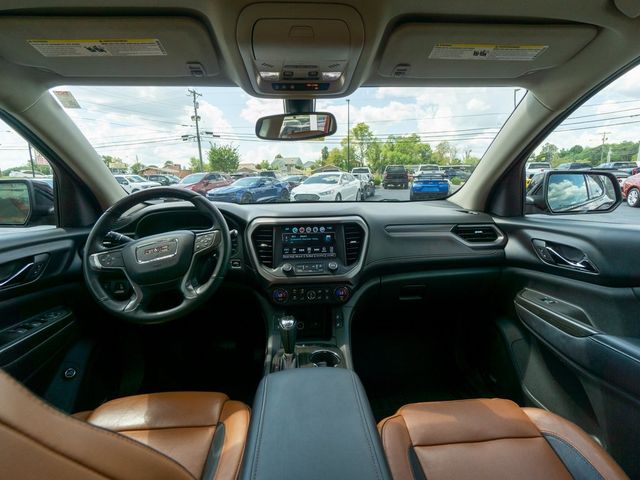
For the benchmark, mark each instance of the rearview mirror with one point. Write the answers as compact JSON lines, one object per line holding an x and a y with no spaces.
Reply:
{"x":566,"y":192}
{"x":296,"y":126}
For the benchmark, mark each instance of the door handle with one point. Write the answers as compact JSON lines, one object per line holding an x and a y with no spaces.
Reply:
{"x":15,"y":277}
{"x":553,"y":254}
{"x":584,"y":264}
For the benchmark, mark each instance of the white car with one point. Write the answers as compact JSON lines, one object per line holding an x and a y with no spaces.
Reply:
{"x":427,"y":168}
{"x":134,"y":183}
{"x":327,"y":187}
{"x":533,"y":168}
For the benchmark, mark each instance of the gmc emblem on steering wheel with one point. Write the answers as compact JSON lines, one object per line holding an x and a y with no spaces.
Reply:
{"x":160,"y":250}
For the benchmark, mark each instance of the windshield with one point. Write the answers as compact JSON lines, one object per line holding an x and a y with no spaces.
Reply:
{"x":151,"y":130}
{"x":194,"y":178}
{"x":322,"y":179}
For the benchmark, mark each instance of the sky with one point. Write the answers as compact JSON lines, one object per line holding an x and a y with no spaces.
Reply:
{"x":147,"y":123}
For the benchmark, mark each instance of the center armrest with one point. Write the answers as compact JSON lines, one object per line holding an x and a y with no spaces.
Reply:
{"x":313,"y":423}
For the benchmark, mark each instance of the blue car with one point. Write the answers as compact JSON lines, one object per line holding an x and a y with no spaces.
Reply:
{"x":429,"y":186}
{"x":251,"y":190}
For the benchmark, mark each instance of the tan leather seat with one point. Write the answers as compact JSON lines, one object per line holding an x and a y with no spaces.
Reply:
{"x":181,"y":435}
{"x":490,"y":439}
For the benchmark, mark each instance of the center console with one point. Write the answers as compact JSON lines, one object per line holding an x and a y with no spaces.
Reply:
{"x":310,"y":260}
{"x":314,"y":424}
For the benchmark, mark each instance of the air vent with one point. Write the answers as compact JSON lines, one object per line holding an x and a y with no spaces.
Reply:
{"x":263,"y":243}
{"x":353,"y":241}
{"x":476,"y":233}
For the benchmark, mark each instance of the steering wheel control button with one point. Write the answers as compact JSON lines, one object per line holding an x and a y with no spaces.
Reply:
{"x":111,"y":260}
{"x":342,"y":294}
{"x":205,"y":241}
{"x":280,"y":295}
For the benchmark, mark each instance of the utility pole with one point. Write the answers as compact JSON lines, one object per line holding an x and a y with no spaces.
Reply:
{"x":195,"y":117}
{"x":604,"y":139}
{"x":348,"y":132}
{"x":33,"y":168}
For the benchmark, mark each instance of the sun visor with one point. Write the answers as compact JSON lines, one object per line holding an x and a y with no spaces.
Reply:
{"x":110,"y":47}
{"x":479,"y":51}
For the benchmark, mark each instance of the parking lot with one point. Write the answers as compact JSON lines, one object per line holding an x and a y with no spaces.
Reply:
{"x":623,"y":214}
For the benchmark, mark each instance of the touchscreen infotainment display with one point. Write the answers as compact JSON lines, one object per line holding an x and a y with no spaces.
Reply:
{"x":308,"y":241}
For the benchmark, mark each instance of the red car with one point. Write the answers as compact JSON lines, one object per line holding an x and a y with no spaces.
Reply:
{"x":631,"y":190}
{"x":202,"y":182}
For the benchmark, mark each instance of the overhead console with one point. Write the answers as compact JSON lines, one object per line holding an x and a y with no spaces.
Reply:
{"x":479,"y":51}
{"x":309,"y":50}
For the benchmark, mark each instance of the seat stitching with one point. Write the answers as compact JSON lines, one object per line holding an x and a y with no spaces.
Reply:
{"x":475,"y":441}
{"x":149,"y":429}
{"x":560,"y":437}
{"x":21,"y":390}
{"x":364,"y":425}
{"x":256,"y":455}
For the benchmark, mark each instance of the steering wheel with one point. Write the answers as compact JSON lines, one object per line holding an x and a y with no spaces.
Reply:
{"x":167,"y":265}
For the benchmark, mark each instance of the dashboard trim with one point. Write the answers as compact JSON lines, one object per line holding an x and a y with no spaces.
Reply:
{"x":267,"y":273}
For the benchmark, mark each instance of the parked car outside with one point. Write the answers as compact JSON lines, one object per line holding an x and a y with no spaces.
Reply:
{"x":134,"y":183}
{"x":269,"y":173}
{"x":455,"y":172}
{"x":328,"y":187}
{"x":429,"y":185}
{"x":427,"y":168}
{"x":164,"y":180}
{"x":367,"y":182}
{"x":631,"y":190}
{"x":534,"y":168}
{"x":574,"y":166}
{"x":294,"y":180}
{"x":251,"y":190}
{"x":627,"y":167}
{"x":396,"y":175}
{"x":202,"y":182}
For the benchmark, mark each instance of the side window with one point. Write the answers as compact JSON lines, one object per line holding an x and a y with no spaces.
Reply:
{"x":600,"y":135}
{"x":27,"y":184}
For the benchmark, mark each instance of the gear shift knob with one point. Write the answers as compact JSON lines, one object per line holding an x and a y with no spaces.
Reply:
{"x":288,"y":333}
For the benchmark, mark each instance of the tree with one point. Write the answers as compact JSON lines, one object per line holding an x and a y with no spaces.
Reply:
{"x":360,"y":141}
{"x":404,"y":150}
{"x":263,"y":165}
{"x":194,"y":165}
{"x":108,"y":160}
{"x":168,"y":163}
{"x":224,"y":158}
{"x":137,"y":168}
{"x":324,"y":154}
{"x":338,"y":157}
{"x":446,"y":153}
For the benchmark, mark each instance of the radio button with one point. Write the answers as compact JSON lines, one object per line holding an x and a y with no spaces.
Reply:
{"x":332,"y":266}
{"x":287,"y":268}
{"x":311,"y":295}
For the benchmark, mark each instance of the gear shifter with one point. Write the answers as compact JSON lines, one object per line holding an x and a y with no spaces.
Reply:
{"x":288,"y":332}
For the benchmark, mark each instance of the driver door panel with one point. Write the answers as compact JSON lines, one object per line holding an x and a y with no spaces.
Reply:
{"x":43,"y":292}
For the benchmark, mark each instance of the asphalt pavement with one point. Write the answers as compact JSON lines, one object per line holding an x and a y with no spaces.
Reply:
{"x":623,"y":214}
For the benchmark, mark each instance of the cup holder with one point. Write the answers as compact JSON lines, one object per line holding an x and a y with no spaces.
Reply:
{"x":325,"y":358}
